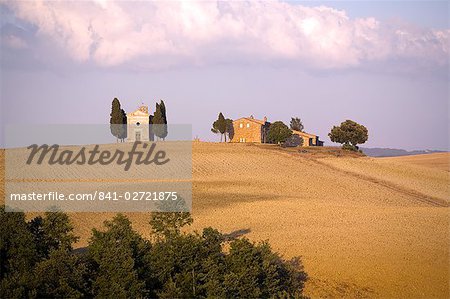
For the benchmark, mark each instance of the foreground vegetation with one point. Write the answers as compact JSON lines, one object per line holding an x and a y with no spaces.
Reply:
{"x":37,"y":260}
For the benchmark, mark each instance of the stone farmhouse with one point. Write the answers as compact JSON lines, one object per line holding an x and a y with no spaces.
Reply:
{"x":252,"y":130}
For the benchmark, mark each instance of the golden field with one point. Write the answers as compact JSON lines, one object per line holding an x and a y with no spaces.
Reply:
{"x":364,"y":227}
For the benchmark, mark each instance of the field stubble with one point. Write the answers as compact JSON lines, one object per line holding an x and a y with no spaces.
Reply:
{"x":364,"y":227}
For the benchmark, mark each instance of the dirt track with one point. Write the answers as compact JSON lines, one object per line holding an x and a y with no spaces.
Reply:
{"x":364,"y":227}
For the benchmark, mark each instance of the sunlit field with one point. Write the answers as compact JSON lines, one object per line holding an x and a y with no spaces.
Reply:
{"x":364,"y":227}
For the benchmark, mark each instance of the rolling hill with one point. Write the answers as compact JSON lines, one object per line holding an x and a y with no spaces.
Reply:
{"x":364,"y":227}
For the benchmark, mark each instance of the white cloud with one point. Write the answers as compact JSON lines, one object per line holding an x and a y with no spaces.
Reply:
{"x":110,"y":34}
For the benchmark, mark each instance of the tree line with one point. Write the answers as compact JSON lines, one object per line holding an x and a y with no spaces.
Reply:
{"x":278,"y":131}
{"x":157,"y":122}
{"x":349,"y":133}
{"x":38,"y":261}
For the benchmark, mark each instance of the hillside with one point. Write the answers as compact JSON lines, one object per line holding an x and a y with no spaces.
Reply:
{"x":437,"y":160}
{"x":393,"y":152}
{"x":365,"y":227}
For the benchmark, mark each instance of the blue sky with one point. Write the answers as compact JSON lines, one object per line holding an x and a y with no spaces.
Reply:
{"x":383,"y":64}
{"x":425,"y":13}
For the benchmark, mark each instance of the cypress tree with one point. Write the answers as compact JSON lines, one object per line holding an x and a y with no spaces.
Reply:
{"x":151,"y":134}
{"x":157,"y":121}
{"x":164,"y":117}
{"x":160,"y":126}
{"x":229,"y":129}
{"x":222,"y":125}
{"x":163,"y":111}
{"x":124,"y":128}
{"x":116,"y":119}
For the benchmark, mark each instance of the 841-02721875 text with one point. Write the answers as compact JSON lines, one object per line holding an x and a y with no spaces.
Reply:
{"x":139,"y":195}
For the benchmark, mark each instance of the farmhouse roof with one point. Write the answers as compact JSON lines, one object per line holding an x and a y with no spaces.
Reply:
{"x":309,"y":135}
{"x":258,"y":121}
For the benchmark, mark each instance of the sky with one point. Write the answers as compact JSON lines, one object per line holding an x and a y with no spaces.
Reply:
{"x":384,"y":64}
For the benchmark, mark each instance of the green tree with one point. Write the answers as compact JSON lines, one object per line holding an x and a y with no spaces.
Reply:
{"x":58,"y":231}
{"x":213,"y":264}
{"x":349,"y":134}
{"x":18,"y":256}
{"x":255,"y":271}
{"x":168,"y":223}
{"x":157,"y":120}
{"x":278,"y":132}
{"x":176,"y":263}
{"x":121,"y":258}
{"x":296,"y":124}
{"x":124,"y":130}
{"x":36,"y":227}
{"x":189,"y":265}
{"x":163,"y":111}
{"x":62,"y":275}
{"x":177,"y":259}
{"x":162,"y":106}
{"x":160,"y":121}
{"x":52,"y":232}
{"x":119,"y":263}
{"x":116,"y":119}
{"x":220,"y":126}
{"x":170,"y":290}
{"x":151,"y":134}
{"x":215,"y":130}
{"x":229,"y":129}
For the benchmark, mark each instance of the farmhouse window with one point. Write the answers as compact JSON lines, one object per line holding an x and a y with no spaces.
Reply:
{"x":248,"y":125}
{"x":241,"y":125}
